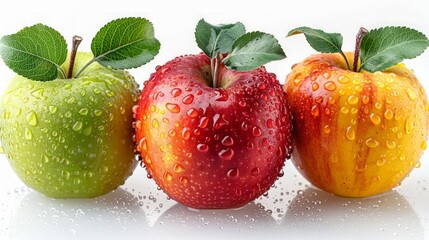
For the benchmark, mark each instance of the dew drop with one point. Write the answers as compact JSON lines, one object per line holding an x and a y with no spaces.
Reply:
{"x":155,"y":123}
{"x":270,"y":123}
{"x":390,"y":144}
{"x":315,"y":86}
{"x":233,"y":173}
{"x":361,"y":168}
{"x":256,"y":131}
{"x":186,"y":133}
{"x":31,"y":118}
{"x":343,"y":79}
{"x":388,"y":114}
{"x":381,"y":162}
{"x":372,"y":143}
{"x":227,"y":141}
{"x":203,"y":147}
{"x":409,"y":126}
{"x":314,"y":110}
{"x":177,"y":168}
{"x":167,"y":176}
{"x":344,"y":110}
{"x":176,"y":92}
{"x":172,"y":133}
{"x":28,"y":134}
{"x":424,"y":145}
{"x":411,"y":94}
{"x":219,"y":121}
{"x":188,"y":99}
{"x":326,"y":75}
{"x":242,"y":103}
{"x":97,"y":112}
{"x":172,"y":107}
{"x":261,"y":85}
{"x":244,"y":126}
{"x":221,"y":95}
{"x":183,"y":180}
{"x":255,"y":171}
{"x":226,"y":154}
{"x":203,"y":122}
{"x":326,"y":129}
{"x":265,"y":142}
{"x":142,"y":145}
{"x":350,"y":133}
{"x":83,"y":111}
{"x":52,"y":109}
{"x":352,"y":99}
{"x":77,"y":126}
{"x":192,"y":113}
{"x":375,"y":118}
{"x":330,"y":86}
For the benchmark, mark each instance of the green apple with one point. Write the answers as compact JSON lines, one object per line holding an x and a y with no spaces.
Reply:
{"x":71,"y":138}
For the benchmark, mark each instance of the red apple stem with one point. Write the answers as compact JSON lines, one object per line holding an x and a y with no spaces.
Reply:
{"x":75,"y":45}
{"x":214,"y":64}
{"x":362,"y":32}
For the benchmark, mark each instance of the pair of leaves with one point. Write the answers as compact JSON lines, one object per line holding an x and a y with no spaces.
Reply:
{"x":380,"y":49}
{"x":37,"y":52}
{"x":246,"y":51}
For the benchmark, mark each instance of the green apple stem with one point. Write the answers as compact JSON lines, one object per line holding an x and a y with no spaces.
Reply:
{"x":362,"y":32}
{"x":214,"y":64}
{"x":75,"y":45}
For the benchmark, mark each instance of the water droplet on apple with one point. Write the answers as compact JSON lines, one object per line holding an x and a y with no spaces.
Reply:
{"x":172,"y":133}
{"x":330,"y":86}
{"x":375,"y":118}
{"x":270,"y":123}
{"x":256,"y":131}
{"x":183,"y":180}
{"x":265,"y":142}
{"x":381,"y":162}
{"x":28,"y":134}
{"x":411,"y":94}
{"x":97,"y":112}
{"x":343,"y":79}
{"x":221,"y":95}
{"x":281,"y":173}
{"x":219,"y":121}
{"x":84,"y":111}
{"x":77,"y":126}
{"x":314,"y":110}
{"x":372,"y":143}
{"x":388,"y":114}
{"x":350,"y":133}
{"x":203,"y":122}
{"x":31,"y":118}
{"x":255,"y":171}
{"x":172,"y":107}
{"x":409,"y":126}
{"x":424,"y":145}
{"x":155,"y":123}
{"x":233,"y":173}
{"x":261,"y":85}
{"x":142,"y":145}
{"x":65,"y":174}
{"x":344,"y":110}
{"x":242,"y":103}
{"x":326,"y":129}
{"x":177,"y":168}
{"x":315,"y":86}
{"x":326,"y":75}
{"x":361,"y":168}
{"x":390,"y":144}
{"x":226,"y":154}
{"x":244,"y":126}
{"x":192,"y":113}
{"x":227,"y":141}
{"x":352,"y":99}
{"x":203,"y":147}
{"x":175,"y":92}
{"x":188,"y":99}
{"x":167,"y":176}
{"x":186,"y":133}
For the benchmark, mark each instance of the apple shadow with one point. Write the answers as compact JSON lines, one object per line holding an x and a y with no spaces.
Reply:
{"x":249,"y":221}
{"x":317,"y":214}
{"x":115,"y":214}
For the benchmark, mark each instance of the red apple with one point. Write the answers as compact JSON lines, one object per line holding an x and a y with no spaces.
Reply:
{"x":212,"y":147}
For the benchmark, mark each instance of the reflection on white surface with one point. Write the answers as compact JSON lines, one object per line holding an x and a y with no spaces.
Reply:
{"x":291,"y":209}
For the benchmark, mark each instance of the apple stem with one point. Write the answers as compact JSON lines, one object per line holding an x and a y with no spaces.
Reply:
{"x":362,"y":32}
{"x":75,"y":44}
{"x":214,"y":64}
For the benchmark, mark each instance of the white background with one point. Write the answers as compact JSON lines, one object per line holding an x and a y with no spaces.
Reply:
{"x":292,"y":208}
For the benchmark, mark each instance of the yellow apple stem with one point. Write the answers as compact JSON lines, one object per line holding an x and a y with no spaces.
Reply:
{"x":75,"y":44}
{"x":362,"y":32}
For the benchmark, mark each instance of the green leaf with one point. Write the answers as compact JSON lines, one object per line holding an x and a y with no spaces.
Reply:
{"x":35,"y":52}
{"x":384,"y":47}
{"x":320,"y":40}
{"x":253,"y":50}
{"x":125,"y":43}
{"x":217,"y":39}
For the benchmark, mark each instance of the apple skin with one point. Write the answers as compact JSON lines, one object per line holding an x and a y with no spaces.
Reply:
{"x":71,"y":138}
{"x":355,"y":134}
{"x":212,"y":147}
